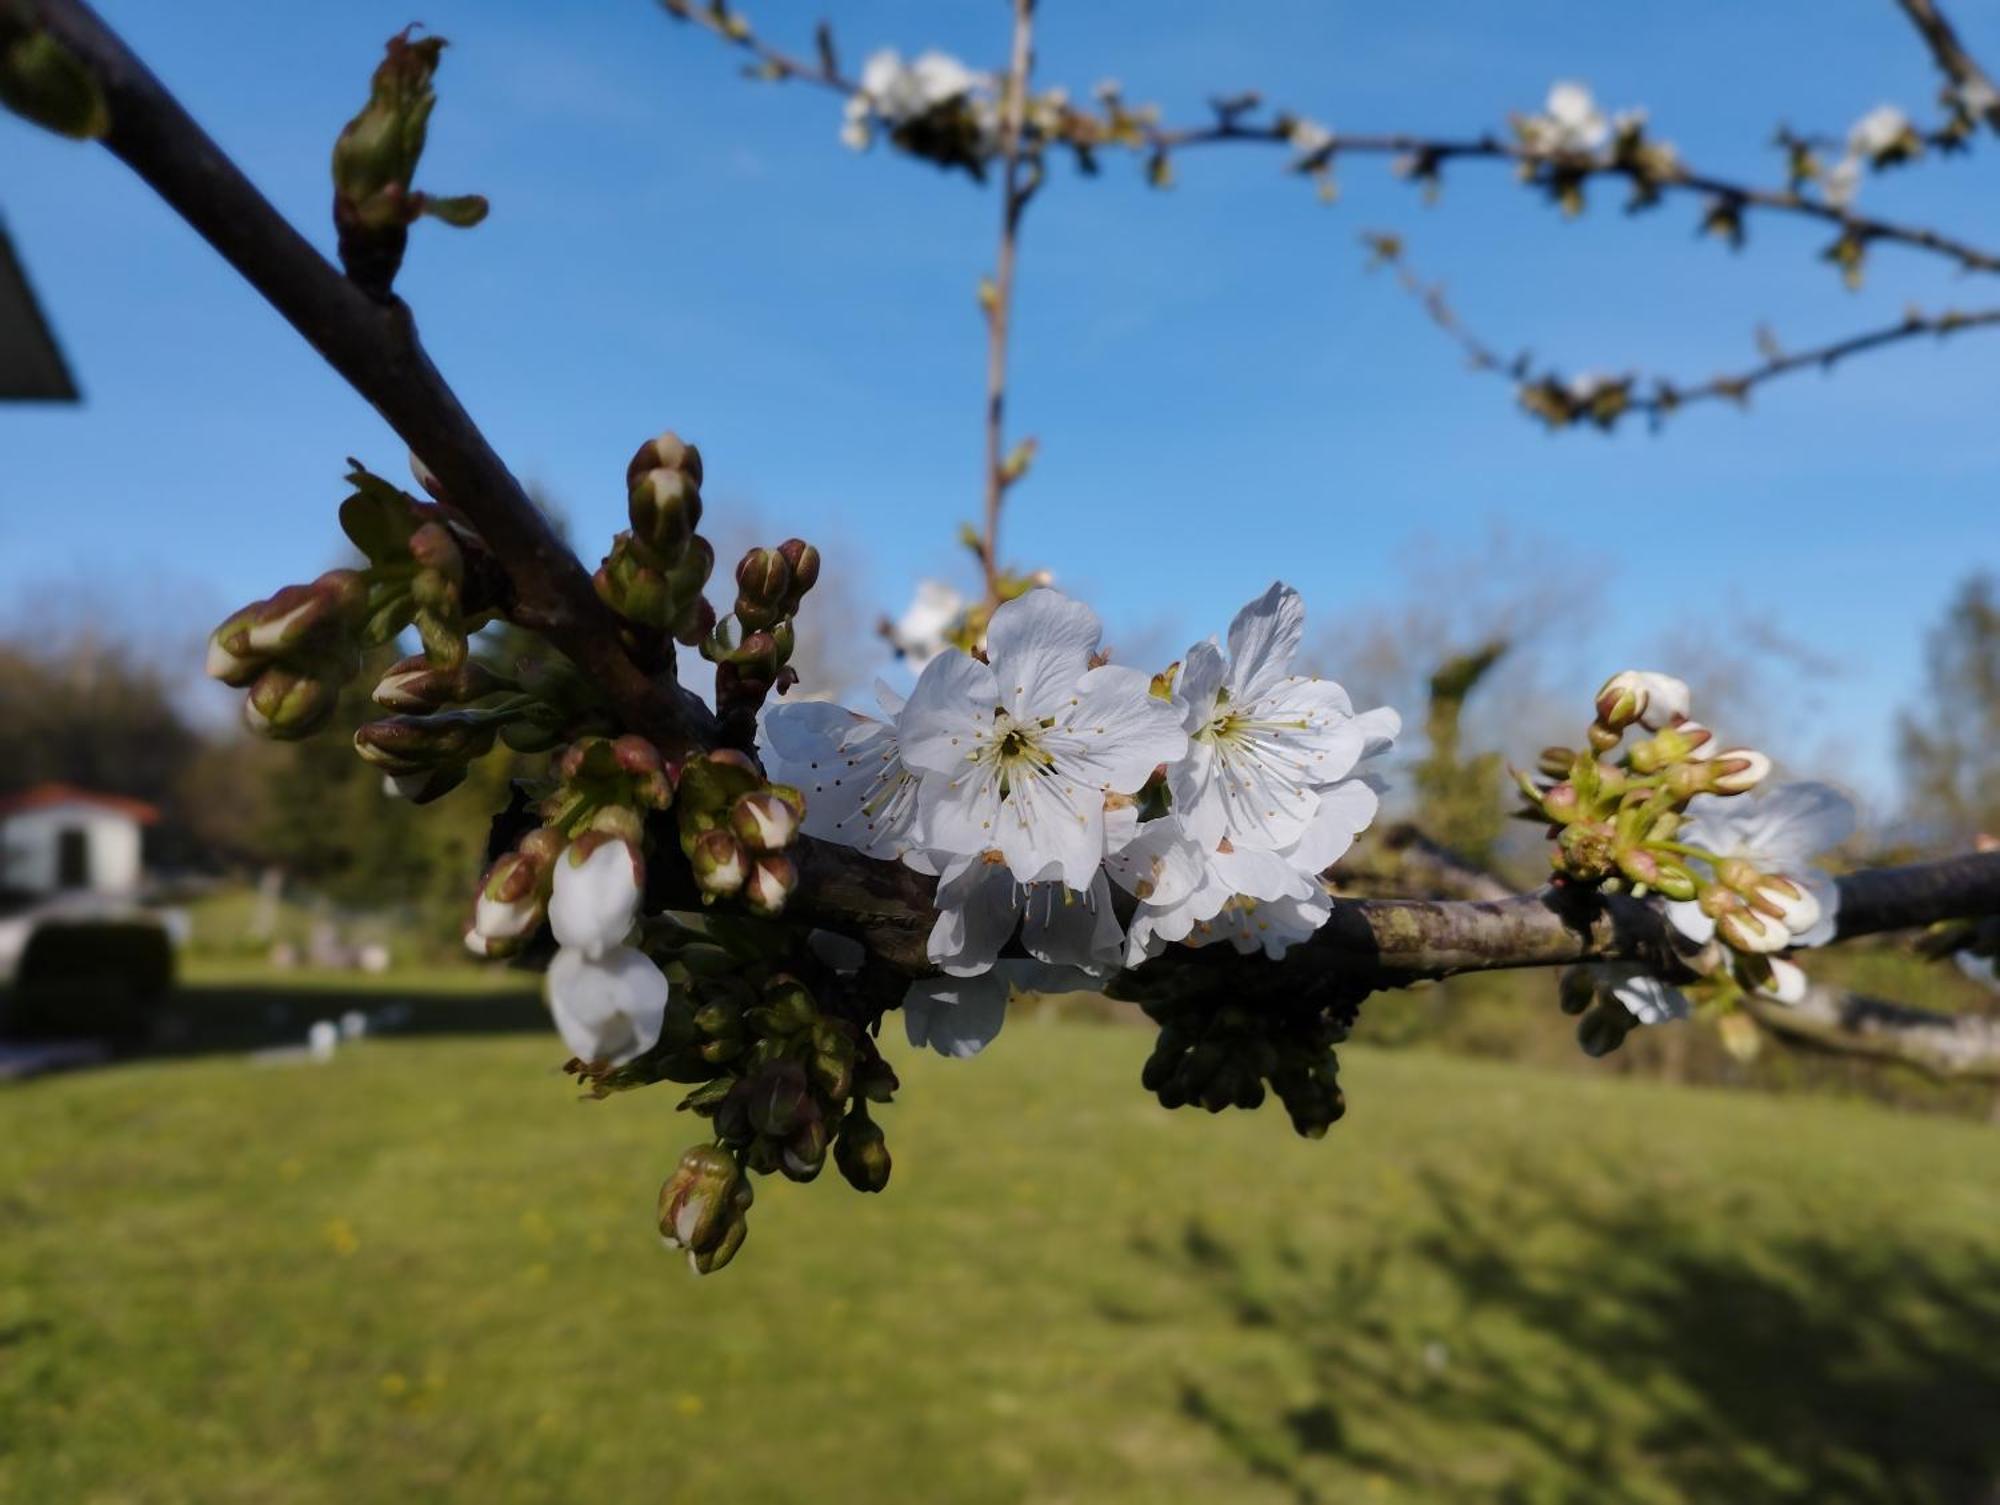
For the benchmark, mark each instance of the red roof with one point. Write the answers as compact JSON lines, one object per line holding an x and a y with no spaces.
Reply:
{"x":45,"y":796}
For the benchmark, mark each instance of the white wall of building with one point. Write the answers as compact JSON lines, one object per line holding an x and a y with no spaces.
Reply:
{"x":31,"y":842}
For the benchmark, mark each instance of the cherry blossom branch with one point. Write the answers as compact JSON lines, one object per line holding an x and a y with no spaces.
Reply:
{"x":1424,"y":154}
{"x":1018,"y":182}
{"x":373,"y":344}
{"x":1974,"y":87}
{"x":1605,"y":400}
{"x":1948,"y":1046}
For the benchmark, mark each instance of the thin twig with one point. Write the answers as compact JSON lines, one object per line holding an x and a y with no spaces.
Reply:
{"x":373,"y":345}
{"x":1947,"y":1046}
{"x":1545,"y":392}
{"x":1015,"y":193}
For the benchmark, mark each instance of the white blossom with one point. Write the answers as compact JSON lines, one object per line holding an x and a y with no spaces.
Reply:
{"x":919,"y":634}
{"x":1881,"y":131}
{"x":609,"y":1007}
{"x":959,"y":1016}
{"x":1570,"y":125}
{"x":980,"y":903}
{"x":1017,"y":755}
{"x":1841,"y":182}
{"x":1308,"y":138}
{"x":896,"y":91}
{"x":849,"y":766}
{"x":1262,"y":742}
{"x":596,"y":896}
{"x":1778,"y":831}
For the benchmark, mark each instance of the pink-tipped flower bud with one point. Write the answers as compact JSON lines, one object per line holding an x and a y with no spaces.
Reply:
{"x":1561,"y":803}
{"x":1744,"y":929}
{"x":414,"y":744}
{"x":1639,"y":865}
{"x":763,"y":822}
{"x":769,"y":887}
{"x":1738,"y":771}
{"x":230,"y":657}
{"x":1793,"y":904}
{"x":719,"y":863}
{"x":1622,"y":700}
{"x":511,"y":902}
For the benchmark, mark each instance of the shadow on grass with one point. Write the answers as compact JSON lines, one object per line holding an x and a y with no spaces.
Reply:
{"x":1531,"y":1347}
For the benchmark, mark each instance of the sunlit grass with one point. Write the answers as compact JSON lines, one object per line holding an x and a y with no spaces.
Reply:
{"x":427,"y":1270}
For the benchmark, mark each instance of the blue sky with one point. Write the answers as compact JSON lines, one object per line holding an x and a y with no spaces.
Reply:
{"x":1221,"y":391}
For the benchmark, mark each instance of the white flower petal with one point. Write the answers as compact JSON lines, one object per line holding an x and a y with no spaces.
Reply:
{"x":1115,"y":731}
{"x":1344,"y":813}
{"x":1039,"y":645}
{"x":1051,"y":825}
{"x":1071,"y":929}
{"x":594,"y":902}
{"x":978,"y":904}
{"x":1263,"y":641}
{"x":608,"y":1008}
{"x":959,"y":1017}
{"x":950,"y":708}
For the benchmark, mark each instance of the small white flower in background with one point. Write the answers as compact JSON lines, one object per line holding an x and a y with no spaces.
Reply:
{"x":849,"y":766}
{"x":1570,"y":125}
{"x":1841,"y":182}
{"x":609,"y":1007}
{"x":1976,"y":97}
{"x":1778,"y":831}
{"x":322,"y":1039}
{"x":596,"y":896}
{"x":1017,"y":755}
{"x":353,"y":1025}
{"x":918,"y":636}
{"x":1883,"y":131}
{"x":1262,"y":742}
{"x":1308,"y":138}
{"x":959,"y":1016}
{"x":897,"y":91}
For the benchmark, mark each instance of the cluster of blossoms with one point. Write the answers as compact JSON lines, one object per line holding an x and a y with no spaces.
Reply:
{"x":932,"y":106}
{"x":1038,"y":779}
{"x":1884,"y":137}
{"x":1571,"y":137}
{"x":1675,"y":815}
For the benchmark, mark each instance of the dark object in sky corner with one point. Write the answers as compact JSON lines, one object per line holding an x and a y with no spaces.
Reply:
{"x":31,"y":363}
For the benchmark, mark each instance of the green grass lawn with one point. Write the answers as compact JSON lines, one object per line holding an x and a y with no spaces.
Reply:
{"x":427,"y":1271}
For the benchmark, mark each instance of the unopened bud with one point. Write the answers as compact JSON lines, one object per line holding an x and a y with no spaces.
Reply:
{"x":805,"y":1152}
{"x":667,"y":452}
{"x":411,"y":744}
{"x":1745,"y":929}
{"x":1674,"y":881}
{"x":777,"y":1100}
{"x":414,"y":684}
{"x":763,"y":581}
{"x":1576,"y":990}
{"x":512,"y":900}
{"x":665,"y":507}
{"x":1738,"y":770}
{"x":804,"y":560}
{"x":1622,"y":700}
{"x":1561,"y":803}
{"x":763,"y":822}
{"x":769,"y":886}
{"x":1555,"y":762}
{"x":288,"y":705}
{"x":1602,"y":738}
{"x":698,"y":1201}
{"x":862,"y":1152}
{"x":377,"y":151}
{"x":1790,"y":903}
{"x":719,"y":863}
{"x":1639,"y":865}
{"x":1603,"y":1029}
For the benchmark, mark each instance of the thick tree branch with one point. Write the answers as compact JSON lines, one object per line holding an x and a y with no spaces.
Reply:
{"x":373,"y":345}
{"x":1943,"y":1045}
{"x":1974,"y":87}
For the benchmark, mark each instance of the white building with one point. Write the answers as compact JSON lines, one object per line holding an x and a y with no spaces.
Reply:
{"x":56,"y":839}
